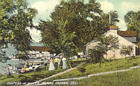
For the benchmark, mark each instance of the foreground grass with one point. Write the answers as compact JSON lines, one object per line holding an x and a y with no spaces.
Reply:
{"x":27,"y":77}
{"x":129,"y":78}
{"x":106,"y":66}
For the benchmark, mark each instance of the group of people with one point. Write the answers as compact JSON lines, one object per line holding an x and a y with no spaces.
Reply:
{"x":56,"y":63}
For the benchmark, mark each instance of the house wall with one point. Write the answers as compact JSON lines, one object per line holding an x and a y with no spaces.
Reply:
{"x":116,"y":54}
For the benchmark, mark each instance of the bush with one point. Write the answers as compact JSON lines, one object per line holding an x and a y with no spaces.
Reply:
{"x":75,"y":63}
{"x":81,"y":69}
{"x":134,"y":57}
{"x":20,"y":76}
{"x":3,"y":77}
{"x":26,"y":79}
{"x":135,"y":64}
{"x":39,"y":69}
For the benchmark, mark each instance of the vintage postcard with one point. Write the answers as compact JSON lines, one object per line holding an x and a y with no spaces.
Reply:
{"x":69,"y":43}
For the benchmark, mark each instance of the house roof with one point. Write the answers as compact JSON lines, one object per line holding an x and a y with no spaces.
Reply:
{"x":127,"y":33}
{"x":39,"y":48}
{"x":120,"y":38}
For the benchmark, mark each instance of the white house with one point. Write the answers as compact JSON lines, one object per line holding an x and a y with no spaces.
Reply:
{"x":116,"y":53}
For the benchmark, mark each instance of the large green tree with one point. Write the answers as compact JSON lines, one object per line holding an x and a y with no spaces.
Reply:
{"x":15,"y":17}
{"x":132,"y":20}
{"x":84,"y":21}
{"x":113,"y":17}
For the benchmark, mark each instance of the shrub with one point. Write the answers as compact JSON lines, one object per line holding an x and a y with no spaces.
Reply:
{"x":27,"y":79}
{"x":75,"y":63}
{"x":135,"y":64}
{"x":3,"y":77}
{"x":81,"y":69}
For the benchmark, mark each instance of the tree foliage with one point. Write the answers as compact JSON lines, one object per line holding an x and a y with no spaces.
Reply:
{"x":15,"y":17}
{"x":132,"y":20}
{"x":105,"y":43}
{"x":114,"y":17}
{"x":84,"y":22}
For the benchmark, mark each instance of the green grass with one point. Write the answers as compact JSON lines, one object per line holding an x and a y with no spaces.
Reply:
{"x":106,"y":66}
{"x":129,"y":78}
{"x":27,"y":77}
{"x":79,"y":59}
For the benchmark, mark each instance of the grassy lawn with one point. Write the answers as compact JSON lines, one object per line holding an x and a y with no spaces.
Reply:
{"x":129,"y":78}
{"x":106,"y":66}
{"x":27,"y":77}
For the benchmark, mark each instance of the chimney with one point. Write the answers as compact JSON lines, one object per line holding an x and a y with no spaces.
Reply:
{"x":113,"y":29}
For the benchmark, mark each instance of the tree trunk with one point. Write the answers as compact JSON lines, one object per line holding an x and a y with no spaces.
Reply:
{"x":100,"y":64}
{"x":69,"y":63}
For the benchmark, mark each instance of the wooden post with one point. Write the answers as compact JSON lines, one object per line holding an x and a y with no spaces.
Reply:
{"x":53,"y":83}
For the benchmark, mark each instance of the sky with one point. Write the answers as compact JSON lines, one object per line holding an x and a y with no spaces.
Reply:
{"x":45,"y":7}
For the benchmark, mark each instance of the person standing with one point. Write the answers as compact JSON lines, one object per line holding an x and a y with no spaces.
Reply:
{"x":7,"y":70}
{"x":10,"y":69}
{"x":60,"y":63}
{"x":51,"y":66}
{"x":56,"y":60}
{"x":64,"y":63}
{"x":45,"y":65}
{"x":22,"y":70}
